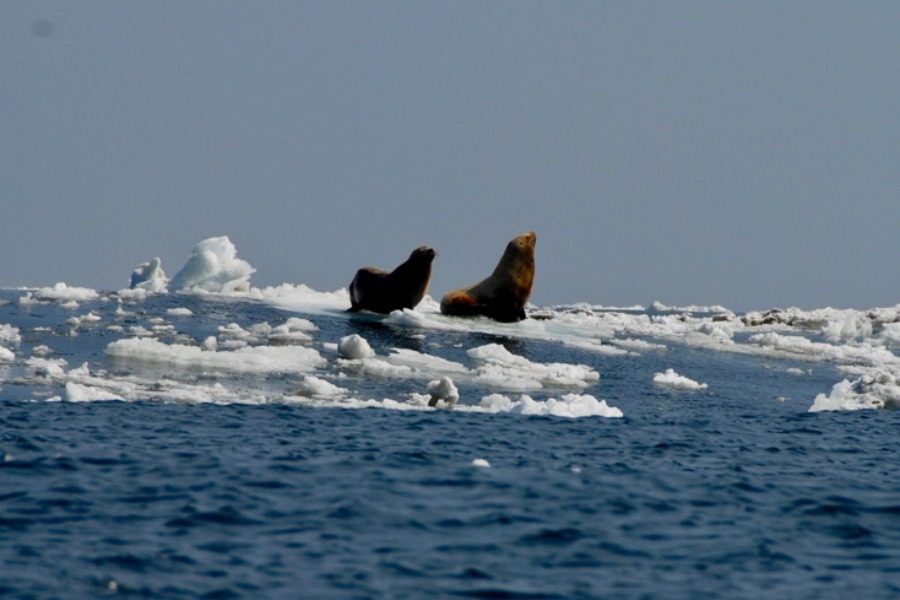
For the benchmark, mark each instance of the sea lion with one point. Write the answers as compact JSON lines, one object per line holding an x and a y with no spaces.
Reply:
{"x":503,"y":295}
{"x":382,"y":292}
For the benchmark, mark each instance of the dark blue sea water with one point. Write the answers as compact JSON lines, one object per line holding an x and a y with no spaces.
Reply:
{"x":735,"y":491}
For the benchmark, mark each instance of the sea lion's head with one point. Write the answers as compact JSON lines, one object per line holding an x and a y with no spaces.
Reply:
{"x":422,"y":255}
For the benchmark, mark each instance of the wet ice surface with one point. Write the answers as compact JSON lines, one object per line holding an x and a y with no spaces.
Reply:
{"x":265,"y":442}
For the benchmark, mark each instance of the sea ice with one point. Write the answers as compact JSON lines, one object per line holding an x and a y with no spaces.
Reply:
{"x":498,"y":367}
{"x":76,"y":392}
{"x":251,"y":359}
{"x":673,"y":380}
{"x":214,"y":267}
{"x":149,"y":276}
{"x":570,"y":405}
{"x":9,"y":334}
{"x":293,"y":331}
{"x":442,"y":390}
{"x":66,"y":296}
{"x":316,"y":386}
{"x":355,"y":347}
{"x":7,"y":355}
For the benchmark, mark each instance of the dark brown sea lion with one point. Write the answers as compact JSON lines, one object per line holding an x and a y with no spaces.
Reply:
{"x":503,"y":295}
{"x":382,"y":292}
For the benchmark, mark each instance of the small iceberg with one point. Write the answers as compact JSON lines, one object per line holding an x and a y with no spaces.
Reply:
{"x":214,"y":267}
{"x":149,"y":276}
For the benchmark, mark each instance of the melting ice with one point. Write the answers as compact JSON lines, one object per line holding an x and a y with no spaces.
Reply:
{"x":862,"y":344}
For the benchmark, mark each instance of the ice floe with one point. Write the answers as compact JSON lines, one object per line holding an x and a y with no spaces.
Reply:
{"x":9,"y":335}
{"x":250,"y":359}
{"x":62,"y":294}
{"x":6,"y":355}
{"x":671,"y":379}
{"x":569,"y":405}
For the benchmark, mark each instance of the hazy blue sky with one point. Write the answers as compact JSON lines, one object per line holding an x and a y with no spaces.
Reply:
{"x":736,"y":153}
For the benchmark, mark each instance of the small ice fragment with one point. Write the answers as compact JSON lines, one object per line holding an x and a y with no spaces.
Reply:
{"x":444,"y":390}
{"x":673,"y":380}
{"x":355,"y":346}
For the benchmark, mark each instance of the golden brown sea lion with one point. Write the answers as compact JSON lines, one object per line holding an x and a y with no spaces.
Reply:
{"x":503,"y":295}
{"x":379,"y":291}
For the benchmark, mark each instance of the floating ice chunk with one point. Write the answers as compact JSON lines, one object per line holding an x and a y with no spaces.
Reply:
{"x":596,"y":346}
{"x":7,"y":355}
{"x":149,"y":276}
{"x":842,"y":397}
{"x":9,"y":335}
{"x":425,"y":364}
{"x":890,"y":334}
{"x":673,"y":380}
{"x":292,"y":331}
{"x":180,"y":311}
{"x":47,"y":368}
{"x":498,"y":367}
{"x":442,"y":390}
{"x":407,"y":317}
{"x":853,"y":325}
{"x":720,"y":330}
{"x":797,"y":371}
{"x":657,"y":305}
{"x":214,"y":267}
{"x":235,"y":336}
{"x":62,"y":293}
{"x":570,"y":405}
{"x":798,"y":346}
{"x":875,"y":388}
{"x":354,"y":347}
{"x":633,"y":344}
{"x":75,"y":392}
{"x":257,"y":359}
{"x":302,"y":298}
{"x":482,"y":463}
{"x":83,"y":320}
{"x":314,"y":386}
{"x":377,"y":367}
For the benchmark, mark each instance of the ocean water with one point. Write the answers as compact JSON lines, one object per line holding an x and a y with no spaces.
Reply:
{"x":148,"y":470}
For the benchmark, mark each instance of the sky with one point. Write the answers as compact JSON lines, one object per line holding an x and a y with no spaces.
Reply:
{"x":745,"y":154}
